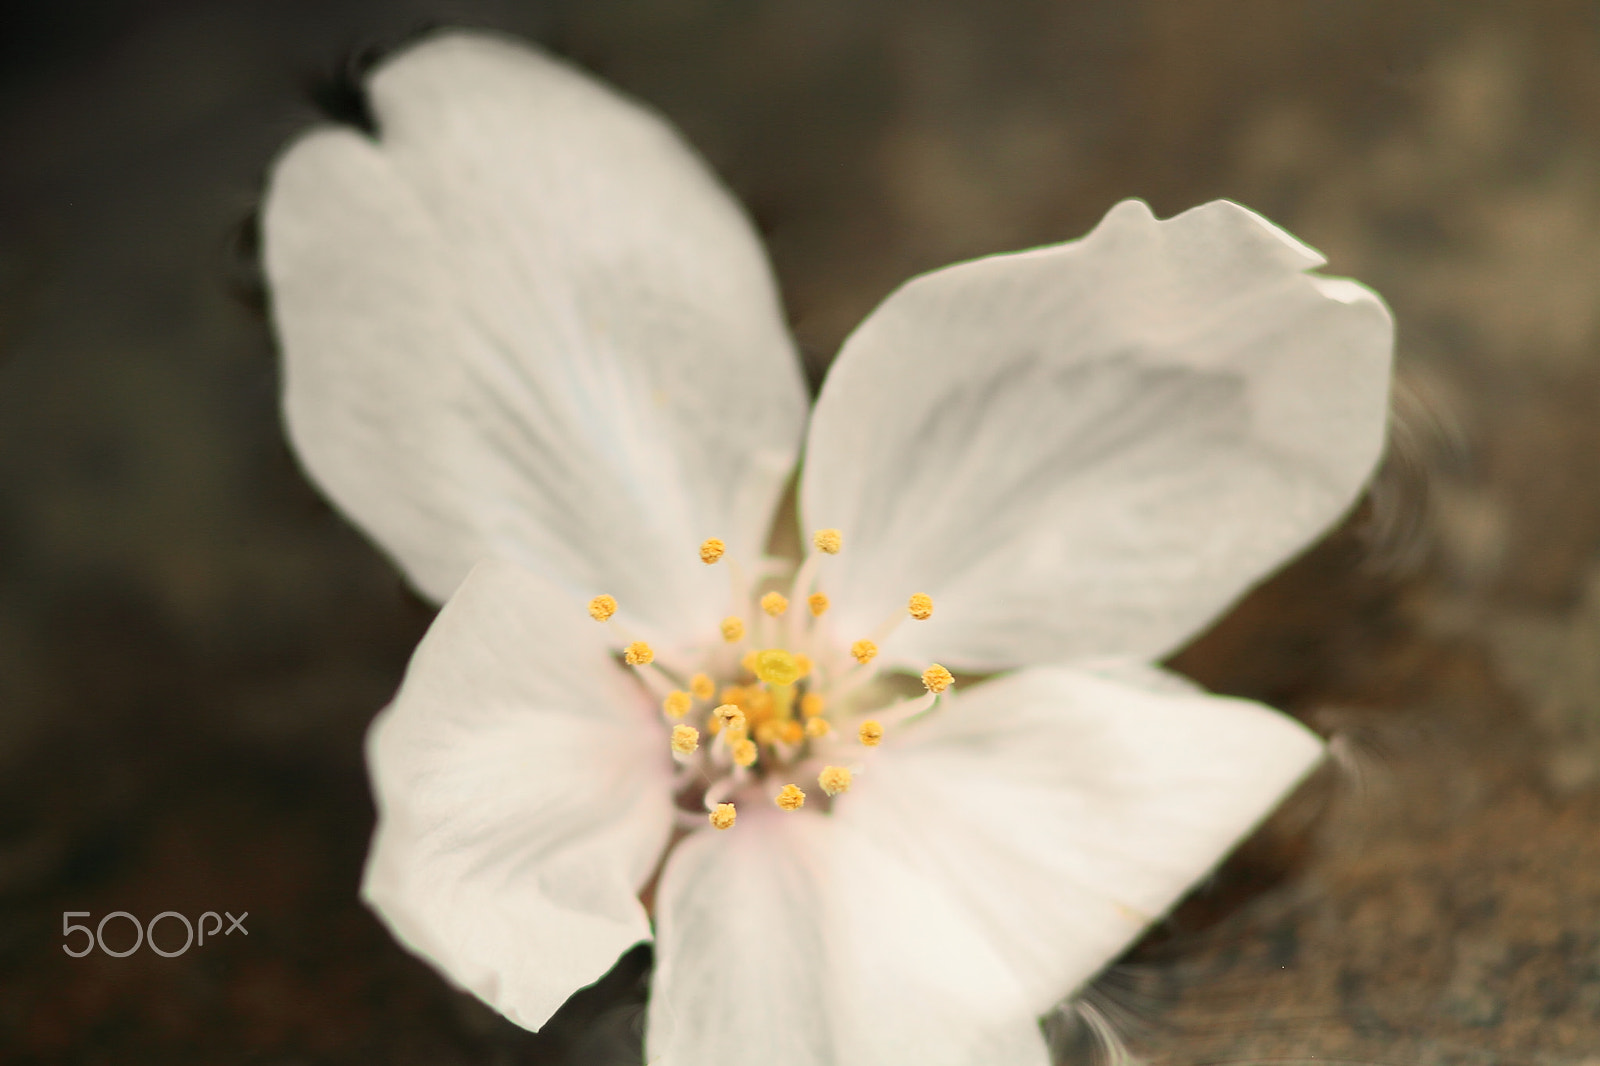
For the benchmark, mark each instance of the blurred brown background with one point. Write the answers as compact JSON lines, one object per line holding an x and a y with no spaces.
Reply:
{"x":191,"y":642}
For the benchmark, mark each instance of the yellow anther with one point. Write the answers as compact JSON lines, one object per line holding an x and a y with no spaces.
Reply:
{"x":702,"y":686}
{"x":936,"y":678}
{"x":774,"y":603}
{"x":744,"y":752}
{"x":791,"y":732}
{"x":711,"y":550}
{"x":733,"y":629}
{"x":817,"y":728}
{"x":818,"y":602}
{"x":735,"y":694}
{"x":723,"y":815}
{"x":812,"y":704}
{"x":758,"y":703}
{"x":729,"y":716}
{"x":748,"y":661}
{"x":864,"y":650}
{"x":790,"y":798}
{"x":871,"y":732}
{"x":767,"y":732}
{"x":803,"y":661}
{"x":828,"y":541}
{"x":777,"y":667}
{"x":685,"y":738}
{"x":921,"y":606}
{"x":834,"y":780}
{"x":602,"y":607}
{"x":638,"y":654}
{"x":677,"y":704}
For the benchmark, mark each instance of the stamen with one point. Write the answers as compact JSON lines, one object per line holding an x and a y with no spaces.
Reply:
{"x":745,"y":752}
{"x":602,"y":607}
{"x":748,"y":661}
{"x":827,"y":540}
{"x":791,"y":732}
{"x":834,"y":780}
{"x":920,"y":606}
{"x":723,"y":815}
{"x":812,"y":704}
{"x":818,"y":602}
{"x":803,"y":661}
{"x":777,"y":667}
{"x":936,"y":678}
{"x":685,"y":739}
{"x":767,"y":732}
{"x":817,"y":728}
{"x":711,"y":550}
{"x":790,"y":798}
{"x":730,"y":717}
{"x":677,"y":703}
{"x":870,"y":733}
{"x":775,"y":603}
{"x":733,"y":629}
{"x":864,"y":651}
{"x":702,"y":686}
{"x":638,"y":654}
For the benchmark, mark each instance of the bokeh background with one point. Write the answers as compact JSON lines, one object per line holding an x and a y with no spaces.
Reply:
{"x":192,"y":642}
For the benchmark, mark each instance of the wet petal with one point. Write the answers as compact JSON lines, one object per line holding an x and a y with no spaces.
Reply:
{"x":1093,"y":449}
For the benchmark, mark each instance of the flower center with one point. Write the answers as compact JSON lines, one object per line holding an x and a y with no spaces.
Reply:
{"x":777,"y":707}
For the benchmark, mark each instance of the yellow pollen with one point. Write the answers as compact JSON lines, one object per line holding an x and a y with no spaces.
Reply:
{"x":744,"y":752}
{"x":871,"y":732}
{"x":774,"y":603}
{"x":685,"y":738}
{"x":812,"y":703}
{"x":818,"y":602}
{"x":735,"y":694}
{"x":791,"y":732}
{"x":921,"y":606}
{"x":759,"y":704}
{"x":936,"y":678}
{"x":790,"y":798}
{"x":864,"y":650}
{"x":638,"y":654}
{"x":730,"y":716}
{"x":767,"y":732}
{"x":834,"y":780}
{"x":733,"y":629}
{"x":702,"y":686}
{"x":827,"y":541}
{"x":748,"y":661}
{"x":817,"y":728}
{"x":711,"y":550}
{"x":602,"y":607}
{"x":677,"y":704}
{"x":803,"y":661}
{"x":723,"y":815}
{"x":777,"y":667}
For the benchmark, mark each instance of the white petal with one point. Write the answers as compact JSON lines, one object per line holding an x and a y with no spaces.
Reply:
{"x":524,"y":797}
{"x":1093,"y":449}
{"x":1065,"y":812}
{"x":525,"y":322}
{"x":795,"y":939}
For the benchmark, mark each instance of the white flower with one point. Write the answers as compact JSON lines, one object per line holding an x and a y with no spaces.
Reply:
{"x":523,"y":324}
